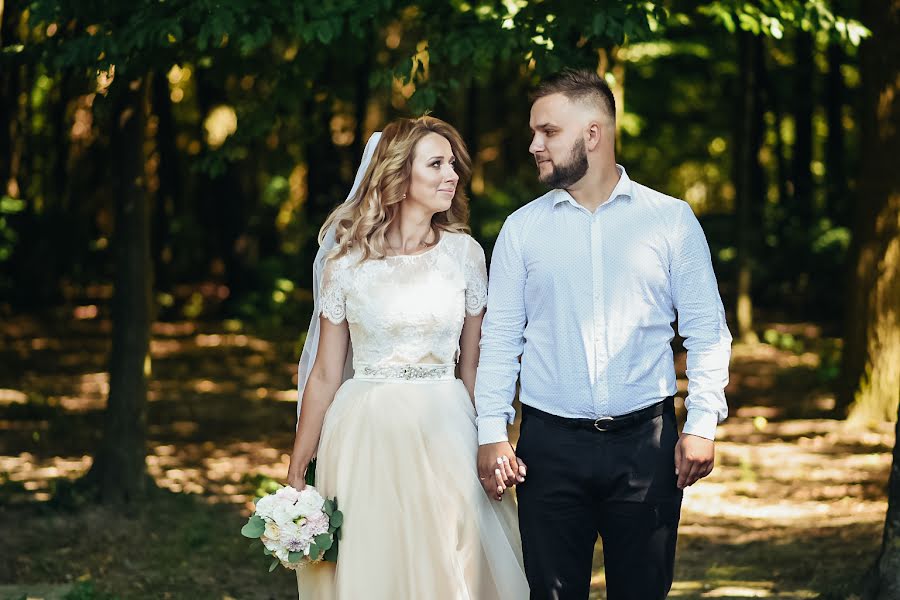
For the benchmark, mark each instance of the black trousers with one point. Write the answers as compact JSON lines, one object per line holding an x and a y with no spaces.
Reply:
{"x":620,"y":485}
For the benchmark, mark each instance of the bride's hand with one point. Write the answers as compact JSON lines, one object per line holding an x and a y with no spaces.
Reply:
{"x":296,"y":477}
{"x":498,"y":468}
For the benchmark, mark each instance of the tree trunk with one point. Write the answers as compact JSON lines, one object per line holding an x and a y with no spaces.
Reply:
{"x":8,"y":95}
{"x":607,"y":62}
{"x":871,"y":353}
{"x":169,"y":192}
{"x":883,"y":580}
{"x":836,"y":175}
{"x":120,"y":465}
{"x":803,"y":138}
{"x":773,"y":103}
{"x":748,"y":177}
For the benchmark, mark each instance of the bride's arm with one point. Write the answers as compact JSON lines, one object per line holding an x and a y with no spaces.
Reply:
{"x":324,"y":380}
{"x":469,"y":351}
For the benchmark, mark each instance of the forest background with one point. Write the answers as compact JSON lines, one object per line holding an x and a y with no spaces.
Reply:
{"x":165,"y":166}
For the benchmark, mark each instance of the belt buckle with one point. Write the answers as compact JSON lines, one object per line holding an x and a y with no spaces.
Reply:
{"x":597,"y":422}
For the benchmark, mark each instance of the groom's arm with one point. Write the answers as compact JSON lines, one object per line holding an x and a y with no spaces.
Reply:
{"x":502,"y":339}
{"x":701,"y":322}
{"x":502,"y":342}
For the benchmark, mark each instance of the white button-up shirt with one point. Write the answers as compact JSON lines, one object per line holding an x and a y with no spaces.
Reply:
{"x":588,"y":301}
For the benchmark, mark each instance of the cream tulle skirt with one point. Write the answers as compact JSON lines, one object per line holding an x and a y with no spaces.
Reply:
{"x":401,"y":459}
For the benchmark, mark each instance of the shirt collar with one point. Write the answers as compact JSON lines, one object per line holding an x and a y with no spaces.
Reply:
{"x":623,"y":189}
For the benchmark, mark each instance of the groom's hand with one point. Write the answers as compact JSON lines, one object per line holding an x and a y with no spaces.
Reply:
{"x":694,"y":458}
{"x":498,"y":468}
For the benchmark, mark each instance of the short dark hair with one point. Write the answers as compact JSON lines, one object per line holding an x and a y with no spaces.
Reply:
{"x":578,"y":85}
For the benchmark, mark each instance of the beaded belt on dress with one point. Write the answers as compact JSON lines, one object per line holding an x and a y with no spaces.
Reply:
{"x":417,"y":372}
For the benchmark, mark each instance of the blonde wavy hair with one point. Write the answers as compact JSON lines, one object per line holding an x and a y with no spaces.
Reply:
{"x":363,"y":221}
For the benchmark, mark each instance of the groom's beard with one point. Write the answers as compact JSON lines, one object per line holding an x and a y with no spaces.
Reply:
{"x":566,"y":175}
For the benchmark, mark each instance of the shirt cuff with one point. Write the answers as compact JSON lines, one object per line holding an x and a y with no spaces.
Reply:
{"x":701,"y":423}
{"x":492,"y":430}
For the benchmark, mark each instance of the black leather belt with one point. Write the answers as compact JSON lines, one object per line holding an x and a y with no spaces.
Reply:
{"x":605,"y":423}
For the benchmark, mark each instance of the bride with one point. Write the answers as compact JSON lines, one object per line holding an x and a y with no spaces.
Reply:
{"x":399,"y":277}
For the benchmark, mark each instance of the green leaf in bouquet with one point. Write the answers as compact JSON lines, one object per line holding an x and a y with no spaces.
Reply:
{"x":268,"y":552}
{"x":337,"y":519}
{"x":332,"y":553}
{"x":311,"y":473}
{"x":328,"y":507}
{"x":254,"y":528}
{"x":324,"y":541}
{"x":294,"y":557}
{"x":313,"y":551}
{"x":274,"y":564}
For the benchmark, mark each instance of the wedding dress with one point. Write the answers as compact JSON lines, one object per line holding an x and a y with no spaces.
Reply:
{"x":398,"y":446}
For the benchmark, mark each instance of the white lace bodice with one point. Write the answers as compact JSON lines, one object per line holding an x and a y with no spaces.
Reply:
{"x":406,"y":310}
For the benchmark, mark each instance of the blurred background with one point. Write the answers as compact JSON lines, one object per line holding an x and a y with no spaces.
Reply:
{"x":165,"y":166}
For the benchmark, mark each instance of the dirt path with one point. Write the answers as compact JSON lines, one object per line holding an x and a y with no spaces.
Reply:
{"x":794,"y":508}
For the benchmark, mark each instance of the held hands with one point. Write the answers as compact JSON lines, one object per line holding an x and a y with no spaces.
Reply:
{"x":694,"y":457}
{"x":499,"y":468}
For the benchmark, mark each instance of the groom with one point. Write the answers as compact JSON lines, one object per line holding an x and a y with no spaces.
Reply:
{"x":585,"y":283}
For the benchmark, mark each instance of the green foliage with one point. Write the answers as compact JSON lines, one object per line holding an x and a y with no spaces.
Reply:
{"x":294,"y":73}
{"x":827,"y":349}
{"x":84,"y":590}
{"x":773,"y":18}
{"x":314,"y":551}
{"x":324,"y":541}
{"x":254,"y":528}
{"x":332,"y":553}
{"x":262,"y":485}
{"x":829,"y":369}
{"x":337,"y":519}
{"x":8,"y":236}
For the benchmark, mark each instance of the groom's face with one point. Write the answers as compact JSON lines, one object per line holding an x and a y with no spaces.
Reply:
{"x":557,"y":143}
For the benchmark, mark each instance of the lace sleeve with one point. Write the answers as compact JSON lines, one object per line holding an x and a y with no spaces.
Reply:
{"x":332,"y":293}
{"x":476,"y":278}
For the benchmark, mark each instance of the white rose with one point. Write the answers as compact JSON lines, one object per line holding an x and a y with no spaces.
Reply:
{"x":272,"y":531}
{"x":285,"y":513}
{"x":265,"y":505}
{"x":287,"y":494}
{"x":310,"y":501}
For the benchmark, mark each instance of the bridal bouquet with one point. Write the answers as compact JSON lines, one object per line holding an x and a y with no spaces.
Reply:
{"x":296,"y":527}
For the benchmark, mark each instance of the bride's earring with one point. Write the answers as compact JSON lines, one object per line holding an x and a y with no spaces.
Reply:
{"x":404,"y":197}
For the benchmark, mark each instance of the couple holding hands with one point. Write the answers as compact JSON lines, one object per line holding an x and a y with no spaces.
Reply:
{"x":413,"y":356}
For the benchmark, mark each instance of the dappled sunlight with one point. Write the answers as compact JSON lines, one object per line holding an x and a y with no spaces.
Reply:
{"x":179,"y":329}
{"x":232,"y":340}
{"x":790,"y":475}
{"x":221,"y":422}
{"x":220,"y":473}
{"x":90,"y":311}
{"x":12,"y":397}
{"x":25,"y":477}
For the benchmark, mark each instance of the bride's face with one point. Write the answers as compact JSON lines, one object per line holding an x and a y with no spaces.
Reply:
{"x":432,"y":183}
